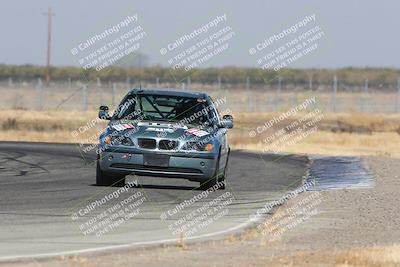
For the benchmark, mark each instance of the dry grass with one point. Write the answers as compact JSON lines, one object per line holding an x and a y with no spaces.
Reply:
{"x":367,"y":257}
{"x":350,"y":122}
{"x":328,"y":143}
{"x":338,"y":134}
{"x":47,"y":126}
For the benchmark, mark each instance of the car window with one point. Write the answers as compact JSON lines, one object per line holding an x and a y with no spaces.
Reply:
{"x":215,"y":112}
{"x":187,"y":110}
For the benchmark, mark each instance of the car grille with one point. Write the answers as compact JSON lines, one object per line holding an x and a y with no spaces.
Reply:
{"x":147,"y":143}
{"x":153,"y":168}
{"x":167,"y":144}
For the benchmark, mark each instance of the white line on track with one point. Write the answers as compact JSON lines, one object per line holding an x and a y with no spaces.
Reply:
{"x":123,"y":246}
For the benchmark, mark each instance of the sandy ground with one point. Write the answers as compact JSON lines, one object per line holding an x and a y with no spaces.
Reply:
{"x":353,"y":227}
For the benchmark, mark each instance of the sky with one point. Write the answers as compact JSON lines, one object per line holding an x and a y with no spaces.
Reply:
{"x":355,"y":33}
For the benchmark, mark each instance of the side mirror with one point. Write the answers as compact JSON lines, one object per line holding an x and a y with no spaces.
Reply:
{"x":228,"y":117}
{"x":103,"y":113}
{"x":226,"y":122}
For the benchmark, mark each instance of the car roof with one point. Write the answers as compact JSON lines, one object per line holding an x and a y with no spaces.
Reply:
{"x":168,"y":92}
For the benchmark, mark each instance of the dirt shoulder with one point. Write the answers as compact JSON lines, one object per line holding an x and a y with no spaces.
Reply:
{"x":354,"y":227}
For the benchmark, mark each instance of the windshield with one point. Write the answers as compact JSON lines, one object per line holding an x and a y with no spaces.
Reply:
{"x":186,"y":110}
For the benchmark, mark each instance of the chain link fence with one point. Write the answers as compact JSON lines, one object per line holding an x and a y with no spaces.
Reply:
{"x":335,"y":97}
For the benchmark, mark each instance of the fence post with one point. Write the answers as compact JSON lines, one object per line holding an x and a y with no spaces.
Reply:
{"x":113,"y":94}
{"x":219,"y":82}
{"x":157,"y":82}
{"x":293,"y":99}
{"x":310,"y":82}
{"x":84,"y":98}
{"x":100,"y":95}
{"x":248,"y":93}
{"x":278,"y":93}
{"x":279,"y":85}
{"x":39,"y":94}
{"x":183,"y":86}
{"x":10,"y":82}
{"x":334,"y":93}
{"x":364,"y":96}
{"x":398,"y":96}
{"x":189,"y":82}
{"x":128,"y":82}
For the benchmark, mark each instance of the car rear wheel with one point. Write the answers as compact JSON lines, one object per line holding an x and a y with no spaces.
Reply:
{"x":108,"y":179}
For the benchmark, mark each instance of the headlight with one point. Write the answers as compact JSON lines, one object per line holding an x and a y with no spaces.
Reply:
{"x":198,"y":146}
{"x":107,"y":140}
{"x":118,"y":140}
{"x":208,"y":147}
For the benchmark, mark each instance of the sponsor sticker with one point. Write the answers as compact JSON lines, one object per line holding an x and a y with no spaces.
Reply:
{"x":197,"y":132}
{"x":154,"y":129}
{"x":120,"y":127}
{"x":126,"y":156}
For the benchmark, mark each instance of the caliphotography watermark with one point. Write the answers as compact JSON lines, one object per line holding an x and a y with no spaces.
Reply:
{"x":282,"y":49}
{"x":294,"y":213}
{"x":87,"y":134}
{"x":197,"y":213}
{"x":106,"y":214}
{"x":107,"y":47}
{"x":194,"y":49}
{"x":269,"y":206}
{"x":290,"y":127}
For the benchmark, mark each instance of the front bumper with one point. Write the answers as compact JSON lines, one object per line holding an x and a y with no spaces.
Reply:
{"x":191,"y":166}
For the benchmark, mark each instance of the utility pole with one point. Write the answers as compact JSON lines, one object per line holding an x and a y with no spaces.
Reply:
{"x":49,"y":14}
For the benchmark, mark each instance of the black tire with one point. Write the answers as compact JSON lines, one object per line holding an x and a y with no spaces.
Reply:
{"x":106,"y":179}
{"x":213,"y":180}
{"x":222,"y":178}
{"x":208,"y":184}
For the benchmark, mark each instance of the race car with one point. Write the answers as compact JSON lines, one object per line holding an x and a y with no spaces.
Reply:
{"x":164,"y":133}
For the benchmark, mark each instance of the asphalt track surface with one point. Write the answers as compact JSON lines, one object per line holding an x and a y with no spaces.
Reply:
{"x":43,"y":187}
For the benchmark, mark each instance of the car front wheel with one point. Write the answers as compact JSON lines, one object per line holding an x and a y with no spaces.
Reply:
{"x":108,"y":179}
{"x":222,"y":177}
{"x":217,"y":178}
